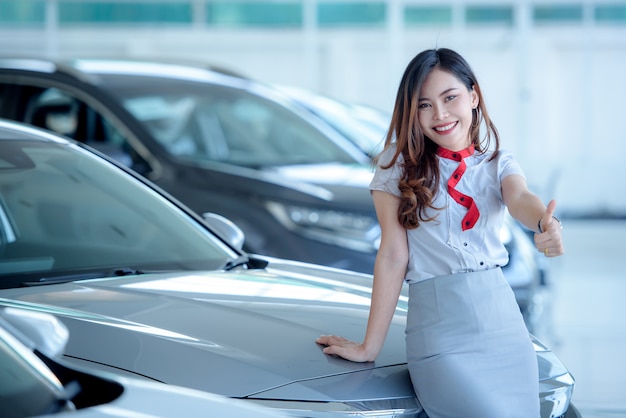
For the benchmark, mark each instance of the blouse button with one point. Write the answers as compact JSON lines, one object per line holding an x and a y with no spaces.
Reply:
{"x":465,"y":244}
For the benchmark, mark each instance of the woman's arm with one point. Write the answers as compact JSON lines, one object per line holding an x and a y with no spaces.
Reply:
{"x":527,"y":208}
{"x":389,"y":272}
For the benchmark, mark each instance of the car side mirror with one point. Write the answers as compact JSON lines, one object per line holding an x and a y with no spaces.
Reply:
{"x":37,"y":330}
{"x":225,"y":229}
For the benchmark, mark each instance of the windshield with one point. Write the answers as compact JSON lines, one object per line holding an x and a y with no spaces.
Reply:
{"x":63,"y":210}
{"x":364,"y":126}
{"x":206,"y":121}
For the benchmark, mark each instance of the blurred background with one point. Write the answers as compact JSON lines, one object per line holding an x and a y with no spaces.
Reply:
{"x":553,"y":73}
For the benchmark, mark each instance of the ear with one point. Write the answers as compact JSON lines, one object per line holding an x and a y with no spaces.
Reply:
{"x":474,"y":98}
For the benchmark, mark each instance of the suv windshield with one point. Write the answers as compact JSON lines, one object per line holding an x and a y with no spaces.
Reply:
{"x":64,"y":211}
{"x":207,"y":121}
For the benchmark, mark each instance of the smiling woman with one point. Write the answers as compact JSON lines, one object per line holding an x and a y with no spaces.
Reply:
{"x":440,"y":189}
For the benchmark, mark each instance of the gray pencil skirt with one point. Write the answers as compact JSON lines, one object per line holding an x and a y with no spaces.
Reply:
{"x":468,"y":348}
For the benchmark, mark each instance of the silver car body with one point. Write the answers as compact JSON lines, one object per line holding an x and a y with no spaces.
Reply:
{"x":32,"y":384}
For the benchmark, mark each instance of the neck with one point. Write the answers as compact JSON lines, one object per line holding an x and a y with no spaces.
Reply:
{"x":459,"y":148}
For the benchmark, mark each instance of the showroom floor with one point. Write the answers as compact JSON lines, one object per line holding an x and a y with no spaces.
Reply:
{"x":586,"y":325}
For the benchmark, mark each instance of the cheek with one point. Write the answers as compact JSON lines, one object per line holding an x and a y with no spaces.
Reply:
{"x":422,"y":119}
{"x":463,"y":109}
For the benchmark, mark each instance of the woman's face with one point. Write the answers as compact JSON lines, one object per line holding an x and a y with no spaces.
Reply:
{"x":445,"y":110}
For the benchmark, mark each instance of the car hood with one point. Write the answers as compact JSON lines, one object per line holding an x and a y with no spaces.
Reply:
{"x":345,"y":184}
{"x":242,"y":333}
{"x":351,"y":175}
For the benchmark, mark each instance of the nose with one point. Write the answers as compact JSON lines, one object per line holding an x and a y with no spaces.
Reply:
{"x":440,"y":112}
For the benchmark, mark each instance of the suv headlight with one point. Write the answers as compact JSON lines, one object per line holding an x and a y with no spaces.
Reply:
{"x":344,"y":229}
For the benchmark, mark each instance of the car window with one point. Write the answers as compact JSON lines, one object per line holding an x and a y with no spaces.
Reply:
{"x":210,"y":122}
{"x":60,"y":111}
{"x":63,"y":210}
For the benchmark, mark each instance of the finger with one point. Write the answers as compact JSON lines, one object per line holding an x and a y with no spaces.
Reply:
{"x":332,"y":350}
{"x":345,"y":352}
{"x":554,"y":251}
{"x":331,"y":340}
{"x":550,"y":209}
{"x":335,"y":349}
{"x":324,"y":339}
{"x":547,"y":218}
{"x":541,"y":241}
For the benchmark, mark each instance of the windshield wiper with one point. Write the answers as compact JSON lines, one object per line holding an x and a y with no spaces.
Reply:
{"x":116,"y":272}
{"x":125,"y":271}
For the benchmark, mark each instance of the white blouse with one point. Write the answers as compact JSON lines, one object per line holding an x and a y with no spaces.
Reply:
{"x":441,"y":247}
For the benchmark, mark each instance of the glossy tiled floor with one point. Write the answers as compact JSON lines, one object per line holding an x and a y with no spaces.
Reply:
{"x":586,"y":322}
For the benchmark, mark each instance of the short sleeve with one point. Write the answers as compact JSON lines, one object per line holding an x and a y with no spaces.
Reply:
{"x":507,"y":165}
{"x":386,"y":179}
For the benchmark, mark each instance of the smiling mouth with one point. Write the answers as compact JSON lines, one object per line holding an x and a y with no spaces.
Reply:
{"x":445,"y":128}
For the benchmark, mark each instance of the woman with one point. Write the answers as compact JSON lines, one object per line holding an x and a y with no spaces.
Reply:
{"x":440,"y":193}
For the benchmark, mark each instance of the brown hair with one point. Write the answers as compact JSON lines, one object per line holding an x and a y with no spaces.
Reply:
{"x":420,"y":179}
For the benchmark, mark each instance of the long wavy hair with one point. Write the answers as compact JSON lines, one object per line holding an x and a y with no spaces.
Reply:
{"x":420,"y":172}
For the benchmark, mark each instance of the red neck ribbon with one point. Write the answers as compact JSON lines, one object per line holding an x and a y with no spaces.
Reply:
{"x":472,"y":215}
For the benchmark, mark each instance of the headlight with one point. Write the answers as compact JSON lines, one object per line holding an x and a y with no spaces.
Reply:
{"x":344,"y":229}
{"x":556,"y":384}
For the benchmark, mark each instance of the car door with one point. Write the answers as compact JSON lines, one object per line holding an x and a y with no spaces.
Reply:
{"x":69,"y":111}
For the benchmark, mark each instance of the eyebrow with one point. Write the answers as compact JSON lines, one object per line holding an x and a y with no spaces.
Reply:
{"x":443,"y":93}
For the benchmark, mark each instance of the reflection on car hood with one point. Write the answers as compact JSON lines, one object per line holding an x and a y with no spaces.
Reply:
{"x":235,"y":333}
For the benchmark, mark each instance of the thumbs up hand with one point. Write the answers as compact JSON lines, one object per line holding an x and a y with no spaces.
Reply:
{"x":549,"y":240}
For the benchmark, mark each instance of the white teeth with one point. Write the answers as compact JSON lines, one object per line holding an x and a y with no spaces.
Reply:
{"x":445,"y":128}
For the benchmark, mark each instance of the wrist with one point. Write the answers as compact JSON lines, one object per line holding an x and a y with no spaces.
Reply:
{"x":370,"y":352}
{"x":541,"y":219}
